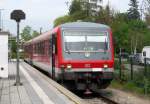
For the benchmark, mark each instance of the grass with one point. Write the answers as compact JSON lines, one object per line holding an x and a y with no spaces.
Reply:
{"x":137,"y":86}
{"x":129,"y":86}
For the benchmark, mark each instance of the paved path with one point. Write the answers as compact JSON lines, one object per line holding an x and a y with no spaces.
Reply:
{"x":36,"y":89}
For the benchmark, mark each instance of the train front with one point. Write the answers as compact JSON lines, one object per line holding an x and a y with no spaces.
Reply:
{"x":87,"y":55}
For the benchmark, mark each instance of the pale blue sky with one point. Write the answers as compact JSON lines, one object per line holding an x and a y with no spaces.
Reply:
{"x":42,"y":13}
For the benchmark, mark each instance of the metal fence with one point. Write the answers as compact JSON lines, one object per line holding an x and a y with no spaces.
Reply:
{"x":126,"y":70}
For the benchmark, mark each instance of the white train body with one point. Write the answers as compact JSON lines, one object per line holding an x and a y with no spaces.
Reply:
{"x":146,"y":54}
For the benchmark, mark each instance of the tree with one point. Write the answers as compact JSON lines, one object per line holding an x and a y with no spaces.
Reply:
{"x":105,"y":15}
{"x":147,"y":14}
{"x":26,"y":33}
{"x":128,"y":33}
{"x":75,"y":7}
{"x":133,"y":12}
{"x":61,"y":20}
{"x":12,"y":47}
{"x":35,"y":34}
{"x":147,"y":18}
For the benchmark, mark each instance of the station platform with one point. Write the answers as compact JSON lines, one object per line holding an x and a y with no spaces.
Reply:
{"x":36,"y":89}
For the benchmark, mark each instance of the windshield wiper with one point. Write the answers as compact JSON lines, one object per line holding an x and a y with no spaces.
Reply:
{"x":66,"y":48}
{"x":106,"y":46}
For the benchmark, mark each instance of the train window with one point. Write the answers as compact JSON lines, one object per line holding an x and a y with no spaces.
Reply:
{"x":85,"y":41}
{"x":50,"y":46}
{"x":42,"y":48}
{"x":36,"y":48}
{"x":102,"y":38}
{"x":39,"y":48}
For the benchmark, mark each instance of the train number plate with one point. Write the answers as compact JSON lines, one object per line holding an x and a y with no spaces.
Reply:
{"x":96,"y":69}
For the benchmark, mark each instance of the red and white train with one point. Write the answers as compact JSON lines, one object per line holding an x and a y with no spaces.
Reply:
{"x":81,"y":52}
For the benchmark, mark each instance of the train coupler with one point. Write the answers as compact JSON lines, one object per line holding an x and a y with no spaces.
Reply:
{"x":88,"y":81}
{"x":88,"y":92}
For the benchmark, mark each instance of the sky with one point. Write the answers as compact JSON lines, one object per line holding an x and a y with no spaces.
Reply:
{"x":42,"y":13}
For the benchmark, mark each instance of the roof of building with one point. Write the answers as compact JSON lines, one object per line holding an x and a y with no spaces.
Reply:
{"x":4,"y":33}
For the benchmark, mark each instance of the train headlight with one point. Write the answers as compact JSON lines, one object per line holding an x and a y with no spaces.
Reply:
{"x":69,"y":66}
{"x":105,"y":66}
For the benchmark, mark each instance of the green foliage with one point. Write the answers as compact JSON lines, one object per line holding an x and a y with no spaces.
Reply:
{"x":105,"y":15}
{"x":13,"y":46}
{"x":120,"y":30}
{"x":130,"y":86}
{"x":133,"y":12}
{"x":35,"y":34}
{"x":128,"y":33}
{"x":13,"y":55}
{"x":62,"y":20}
{"x":75,"y":7}
{"x":140,"y":83}
{"x":77,"y":11}
{"x":81,"y":15}
{"x":26,"y":33}
{"x":117,"y":66}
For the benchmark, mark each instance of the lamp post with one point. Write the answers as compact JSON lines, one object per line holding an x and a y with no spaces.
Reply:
{"x":17,"y":15}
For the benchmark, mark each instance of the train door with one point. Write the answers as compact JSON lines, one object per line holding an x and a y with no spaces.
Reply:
{"x":53,"y":53}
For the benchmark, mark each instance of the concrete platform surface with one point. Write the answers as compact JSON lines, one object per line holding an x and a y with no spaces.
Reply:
{"x":36,"y":89}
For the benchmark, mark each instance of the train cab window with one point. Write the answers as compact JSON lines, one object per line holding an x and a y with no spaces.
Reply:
{"x":76,"y":41}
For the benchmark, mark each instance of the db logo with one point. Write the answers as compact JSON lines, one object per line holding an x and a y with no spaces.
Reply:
{"x":87,"y":65}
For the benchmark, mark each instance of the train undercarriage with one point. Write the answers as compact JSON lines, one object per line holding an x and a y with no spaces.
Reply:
{"x":85,"y":81}
{"x":88,"y":81}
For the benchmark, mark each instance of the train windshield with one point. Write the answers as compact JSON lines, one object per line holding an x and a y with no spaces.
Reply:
{"x":82,"y":41}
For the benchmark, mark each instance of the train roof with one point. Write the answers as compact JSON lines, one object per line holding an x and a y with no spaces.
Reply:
{"x":43,"y":36}
{"x":84,"y":25}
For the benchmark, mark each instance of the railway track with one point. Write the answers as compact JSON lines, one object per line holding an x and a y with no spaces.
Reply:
{"x":96,"y":97}
{"x":108,"y":100}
